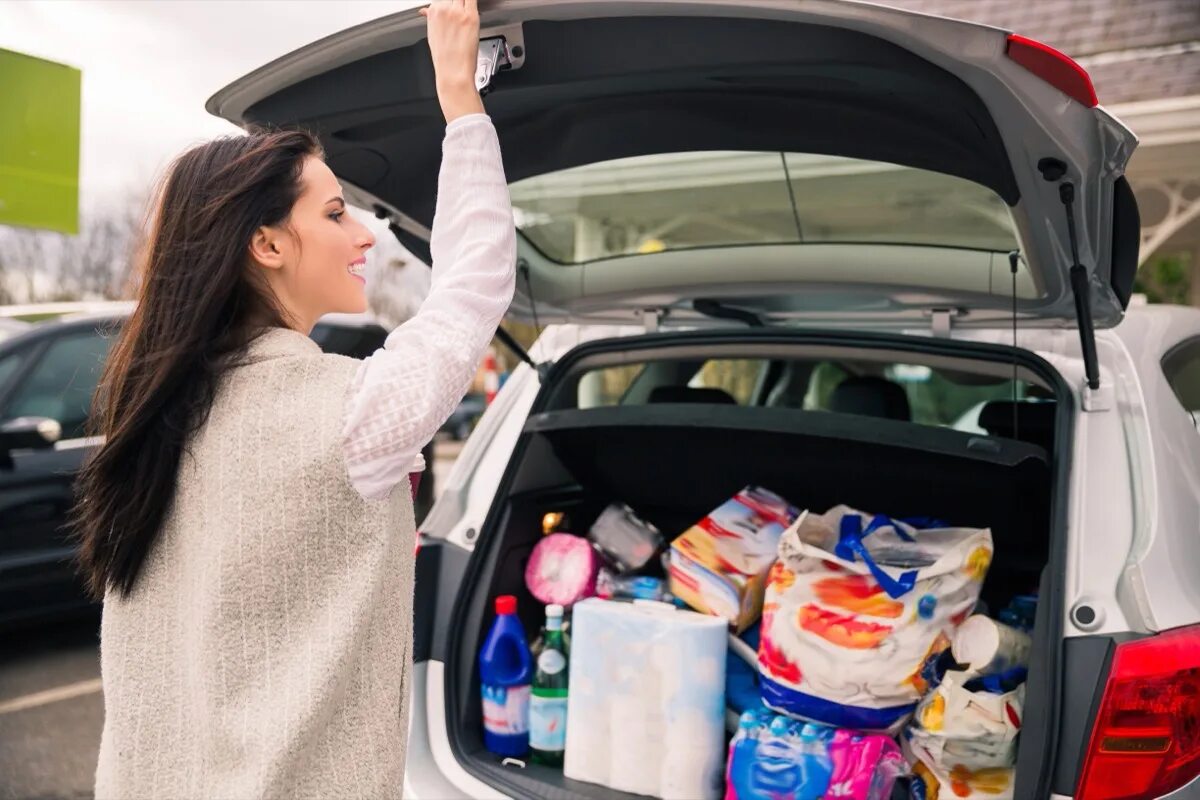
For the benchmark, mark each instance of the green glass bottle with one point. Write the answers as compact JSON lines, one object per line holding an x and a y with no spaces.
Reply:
{"x":548,"y":703}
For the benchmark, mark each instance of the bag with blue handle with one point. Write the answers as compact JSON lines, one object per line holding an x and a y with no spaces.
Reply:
{"x":855,"y":605}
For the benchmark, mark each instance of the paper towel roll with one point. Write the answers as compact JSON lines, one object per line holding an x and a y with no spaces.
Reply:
{"x":988,"y":646}
{"x":646,"y":710}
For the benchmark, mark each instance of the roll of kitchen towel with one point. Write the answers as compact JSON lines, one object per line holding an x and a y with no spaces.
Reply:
{"x":646,"y":710}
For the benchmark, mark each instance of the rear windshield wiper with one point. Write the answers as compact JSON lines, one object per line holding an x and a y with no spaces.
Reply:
{"x":718,"y":310}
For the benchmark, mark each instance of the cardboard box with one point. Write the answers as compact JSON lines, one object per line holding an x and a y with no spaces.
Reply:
{"x":719,"y":566}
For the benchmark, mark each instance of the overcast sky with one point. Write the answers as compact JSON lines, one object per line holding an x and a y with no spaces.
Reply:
{"x":150,"y":65}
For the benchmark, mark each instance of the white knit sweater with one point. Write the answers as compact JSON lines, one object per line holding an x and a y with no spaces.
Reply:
{"x":265,"y":650}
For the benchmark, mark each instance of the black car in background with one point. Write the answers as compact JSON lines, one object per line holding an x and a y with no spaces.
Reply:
{"x":50,"y":372}
{"x":464,"y":416}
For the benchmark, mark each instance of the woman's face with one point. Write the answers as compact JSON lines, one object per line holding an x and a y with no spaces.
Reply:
{"x":317,"y":262}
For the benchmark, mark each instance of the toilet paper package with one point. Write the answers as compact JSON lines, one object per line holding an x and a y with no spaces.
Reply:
{"x":646,"y":711}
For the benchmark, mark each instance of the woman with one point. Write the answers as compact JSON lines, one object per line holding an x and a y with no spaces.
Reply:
{"x":248,"y":519}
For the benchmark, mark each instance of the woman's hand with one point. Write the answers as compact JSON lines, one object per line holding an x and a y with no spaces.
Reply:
{"x":454,"y":45}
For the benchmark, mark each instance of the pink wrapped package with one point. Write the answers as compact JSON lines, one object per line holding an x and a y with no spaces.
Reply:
{"x":562,"y":569}
{"x":865,"y":767}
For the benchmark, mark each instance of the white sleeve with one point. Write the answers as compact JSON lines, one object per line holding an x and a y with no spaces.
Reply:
{"x":404,"y":391}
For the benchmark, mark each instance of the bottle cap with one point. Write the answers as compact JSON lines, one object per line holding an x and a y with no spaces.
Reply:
{"x":554,"y":610}
{"x":506,"y":604}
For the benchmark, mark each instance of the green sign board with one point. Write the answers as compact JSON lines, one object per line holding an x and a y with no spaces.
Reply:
{"x":39,"y":143}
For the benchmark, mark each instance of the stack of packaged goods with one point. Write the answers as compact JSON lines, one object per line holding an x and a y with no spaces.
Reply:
{"x":843,"y":651}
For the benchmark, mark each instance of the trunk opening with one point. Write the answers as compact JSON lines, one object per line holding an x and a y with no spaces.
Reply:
{"x":675,"y":462}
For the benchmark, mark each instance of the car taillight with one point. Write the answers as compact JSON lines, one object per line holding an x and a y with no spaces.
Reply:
{"x":1146,"y":740}
{"x":1055,"y":68}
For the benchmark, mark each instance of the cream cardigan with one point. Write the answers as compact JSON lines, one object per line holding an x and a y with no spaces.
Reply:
{"x":265,"y":649}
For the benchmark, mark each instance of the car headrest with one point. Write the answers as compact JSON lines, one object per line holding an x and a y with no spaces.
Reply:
{"x":689,"y":394}
{"x":1035,"y":421}
{"x":870,"y":396}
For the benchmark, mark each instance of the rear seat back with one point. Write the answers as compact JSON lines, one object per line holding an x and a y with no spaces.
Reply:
{"x":871,"y":397}
{"x":1034,"y":421}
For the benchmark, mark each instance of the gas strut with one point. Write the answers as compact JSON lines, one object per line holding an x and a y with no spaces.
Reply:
{"x":1053,"y":170}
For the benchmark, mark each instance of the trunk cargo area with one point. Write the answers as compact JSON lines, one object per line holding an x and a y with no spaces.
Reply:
{"x":673,"y":463}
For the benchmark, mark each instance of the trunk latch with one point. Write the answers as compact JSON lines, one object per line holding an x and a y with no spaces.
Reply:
{"x":499,"y":52}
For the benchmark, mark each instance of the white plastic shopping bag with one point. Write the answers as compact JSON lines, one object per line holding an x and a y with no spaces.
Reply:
{"x":854,"y":608}
{"x":962,"y":742}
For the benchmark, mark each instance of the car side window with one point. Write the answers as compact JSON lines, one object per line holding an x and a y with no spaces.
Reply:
{"x":1182,"y":368}
{"x":61,"y":384}
{"x":8,"y":368}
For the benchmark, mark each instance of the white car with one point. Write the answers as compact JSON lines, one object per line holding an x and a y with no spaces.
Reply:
{"x":789,"y":244}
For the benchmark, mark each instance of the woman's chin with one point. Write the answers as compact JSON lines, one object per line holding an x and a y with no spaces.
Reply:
{"x":354,"y":305}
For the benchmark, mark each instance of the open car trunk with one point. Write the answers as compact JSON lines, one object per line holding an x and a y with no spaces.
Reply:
{"x":675,"y":462}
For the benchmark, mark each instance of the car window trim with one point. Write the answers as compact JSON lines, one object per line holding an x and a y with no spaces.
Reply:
{"x":1168,"y":366}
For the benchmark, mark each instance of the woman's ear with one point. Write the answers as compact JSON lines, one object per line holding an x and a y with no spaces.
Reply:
{"x":267,"y":247}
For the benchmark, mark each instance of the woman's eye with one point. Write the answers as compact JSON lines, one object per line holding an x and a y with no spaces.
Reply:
{"x":336,"y":216}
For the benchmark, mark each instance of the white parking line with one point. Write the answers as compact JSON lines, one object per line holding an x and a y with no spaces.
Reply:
{"x":50,"y":696}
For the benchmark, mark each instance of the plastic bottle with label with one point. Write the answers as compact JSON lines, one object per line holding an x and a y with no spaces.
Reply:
{"x":548,"y":706}
{"x":506,"y":672}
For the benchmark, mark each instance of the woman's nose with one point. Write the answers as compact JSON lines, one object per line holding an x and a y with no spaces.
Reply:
{"x":366,"y":239}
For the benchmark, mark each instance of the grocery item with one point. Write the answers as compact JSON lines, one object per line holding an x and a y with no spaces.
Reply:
{"x":742,"y":692}
{"x":857,"y":608}
{"x":985,"y":646}
{"x":506,"y":672}
{"x":719,"y":565}
{"x":1020,"y":612}
{"x":548,"y":704}
{"x":962,"y":741}
{"x":626,"y":541}
{"x":645,"y":713}
{"x":562,"y":569}
{"x":775,"y":758}
{"x":865,"y":766}
{"x":631,"y":587}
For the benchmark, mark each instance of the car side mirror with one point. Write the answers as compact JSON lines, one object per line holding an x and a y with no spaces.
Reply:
{"x":29,"y":433}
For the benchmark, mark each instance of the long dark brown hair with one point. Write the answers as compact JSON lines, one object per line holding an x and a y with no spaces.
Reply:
{"x":199,"y":303}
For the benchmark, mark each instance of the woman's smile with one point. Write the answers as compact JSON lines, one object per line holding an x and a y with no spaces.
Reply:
{"x":357,"y":268}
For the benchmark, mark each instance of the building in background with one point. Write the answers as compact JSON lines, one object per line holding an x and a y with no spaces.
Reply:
{"x":1144,"y":59}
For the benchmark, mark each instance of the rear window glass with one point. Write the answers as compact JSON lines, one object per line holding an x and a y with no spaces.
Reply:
{"x":679,"y":201}
{"x":906,"y":392}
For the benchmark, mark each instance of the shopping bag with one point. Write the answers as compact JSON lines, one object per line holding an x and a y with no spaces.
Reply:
{"x":855,"y":606}
{"x":962,"y":741}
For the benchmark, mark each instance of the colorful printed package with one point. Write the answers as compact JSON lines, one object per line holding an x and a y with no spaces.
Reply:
{"x":719,"y":565}
{"x":776,"y":758}
{"x":857,"y":608}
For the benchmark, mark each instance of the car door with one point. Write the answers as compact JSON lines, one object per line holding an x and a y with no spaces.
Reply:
{"x":53,"y":376}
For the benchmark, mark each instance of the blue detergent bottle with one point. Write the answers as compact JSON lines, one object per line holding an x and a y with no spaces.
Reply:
{"x":506,"y":672}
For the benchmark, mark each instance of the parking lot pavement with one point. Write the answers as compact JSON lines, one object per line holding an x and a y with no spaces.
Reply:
{"x":51,"y":710}
{"x":51,"y":706}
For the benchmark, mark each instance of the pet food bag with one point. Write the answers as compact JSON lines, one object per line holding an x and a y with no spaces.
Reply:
{"x":962,"y":741}
{"x":856,"y":606}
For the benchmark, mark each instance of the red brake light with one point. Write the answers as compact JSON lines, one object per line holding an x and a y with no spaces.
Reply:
{"x":1146,"y":741}
{"x":1055,"y":68}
